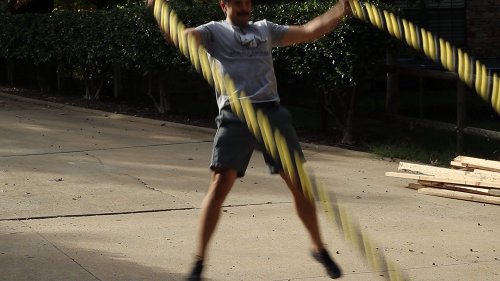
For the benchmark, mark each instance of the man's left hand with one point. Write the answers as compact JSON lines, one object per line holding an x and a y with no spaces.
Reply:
{"x":345,"y":6}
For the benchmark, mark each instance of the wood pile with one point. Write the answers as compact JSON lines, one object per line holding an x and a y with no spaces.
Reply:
{"x":471,"y":179}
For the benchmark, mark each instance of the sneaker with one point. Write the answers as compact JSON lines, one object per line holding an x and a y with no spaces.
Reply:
{"x":195,"y":274}
{"x":331,"y":267}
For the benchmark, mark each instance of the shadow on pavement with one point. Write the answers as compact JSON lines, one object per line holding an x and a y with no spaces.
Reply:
{"x":30,"y":256}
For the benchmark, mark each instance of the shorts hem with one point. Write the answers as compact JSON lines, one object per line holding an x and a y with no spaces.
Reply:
{"x":214,"y":167}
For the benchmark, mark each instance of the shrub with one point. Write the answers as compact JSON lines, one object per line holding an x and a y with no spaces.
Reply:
{"x":92,"y":41}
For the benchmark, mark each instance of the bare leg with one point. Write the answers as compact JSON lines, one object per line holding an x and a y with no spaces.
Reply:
{"x":306,"y":211}
{"x":220,"y":184}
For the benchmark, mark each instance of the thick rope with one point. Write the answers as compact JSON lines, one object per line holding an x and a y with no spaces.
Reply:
{"x":471,"y":71}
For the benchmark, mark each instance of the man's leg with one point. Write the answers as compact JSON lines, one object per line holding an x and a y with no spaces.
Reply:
{"x":307,"y":213}
{"x":220,"y":184}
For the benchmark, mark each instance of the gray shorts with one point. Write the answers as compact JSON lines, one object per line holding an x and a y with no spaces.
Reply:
{"x":234,"y":144}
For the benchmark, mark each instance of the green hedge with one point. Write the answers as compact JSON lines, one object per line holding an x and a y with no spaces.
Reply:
{"x":94,"y":40}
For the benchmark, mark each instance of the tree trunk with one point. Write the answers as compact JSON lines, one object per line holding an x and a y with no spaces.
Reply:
{"x":61,"y":79}
{"x":392,"y":86}
{"x":42,"y":73}
{"x":88,"y":85}
{"x":10,"y":71}
{"x":117,"y":80}
{"x":99,"y":83}
{"x":150,"y":88}
{"x":332,"y":109}
{"x":461,"y":115}
{"x":323,"y":111}
{"x":165,"y":105}
{"x":347,"y":139}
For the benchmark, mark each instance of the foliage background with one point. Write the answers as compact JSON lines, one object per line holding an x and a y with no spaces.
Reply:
{"x":123,"y":31}
{"x":89,"y":38}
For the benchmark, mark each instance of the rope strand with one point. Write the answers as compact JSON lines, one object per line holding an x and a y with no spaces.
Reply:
{"x":470,"y":71}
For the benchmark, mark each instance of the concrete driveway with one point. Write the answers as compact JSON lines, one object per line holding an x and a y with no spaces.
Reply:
{"x":89,"y":195}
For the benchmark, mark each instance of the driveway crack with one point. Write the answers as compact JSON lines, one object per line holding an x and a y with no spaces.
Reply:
{"x":137,"y":212}
{"x":146,"y":185}
{"x":96,"y":158}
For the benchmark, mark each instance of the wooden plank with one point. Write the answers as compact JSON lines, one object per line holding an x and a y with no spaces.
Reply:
{"x":415,"y":186}
{"x":431,"y":183}
{"x":457,"y":187}
{"x":479,"y":163}
{"x":402,"y":175}
{"x":458,"y":180}
{"x":463,"y":167}
{"x":474,"y":167}
{"x":424,"y":169}
{"x":486,"y":173}
{"x":456,"y":164}
{"x":494,"y":192}
{"x":460,"y":195}
{"x":448,"y":173}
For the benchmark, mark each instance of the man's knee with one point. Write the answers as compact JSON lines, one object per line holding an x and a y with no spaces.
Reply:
{"x":221,"y":183}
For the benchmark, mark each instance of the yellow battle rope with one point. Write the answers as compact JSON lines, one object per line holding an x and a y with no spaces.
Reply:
{"x":273,"y":140}
{"x":471,"y":71}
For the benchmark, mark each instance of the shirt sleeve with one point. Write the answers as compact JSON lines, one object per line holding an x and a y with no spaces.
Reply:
{"x":277,"y":32}
{"x":205,"y":31}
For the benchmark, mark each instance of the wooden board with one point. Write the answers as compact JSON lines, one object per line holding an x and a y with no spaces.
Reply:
{"x":460,"y":195}
{"x":463,"y":188}
{"x":478,"y":163}
{"x":494,"y":192}
{"x":486,"y":173}
{"x":488,"y":176}
{"x":425,"y":169}
{"x":415,"y":186}
{"x":456,"y":187}
{"x":431,"y":183}
{"x":458,"y":180}
{"x":458,"y":165}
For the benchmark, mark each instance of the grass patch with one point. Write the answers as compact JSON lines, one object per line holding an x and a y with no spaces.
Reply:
{"x":425,"y":145}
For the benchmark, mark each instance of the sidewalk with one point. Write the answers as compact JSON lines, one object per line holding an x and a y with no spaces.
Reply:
{"x":89,"y":195}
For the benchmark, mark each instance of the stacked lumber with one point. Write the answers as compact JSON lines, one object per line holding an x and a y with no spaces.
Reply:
{"x":468,"y":178}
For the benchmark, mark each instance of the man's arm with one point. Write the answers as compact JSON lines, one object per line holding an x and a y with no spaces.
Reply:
{"x":195,"y":33}
{"x":188,"y":31}
{"x":318,"y":26}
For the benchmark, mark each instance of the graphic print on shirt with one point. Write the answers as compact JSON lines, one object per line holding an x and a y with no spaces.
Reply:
{"x":249,"y":40}
{"x":253,"y":43}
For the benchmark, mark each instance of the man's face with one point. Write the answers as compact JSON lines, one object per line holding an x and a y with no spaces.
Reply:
{"x":238,"y":11}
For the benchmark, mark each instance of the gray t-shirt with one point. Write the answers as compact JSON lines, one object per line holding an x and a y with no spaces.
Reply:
{"x":244,"y":54}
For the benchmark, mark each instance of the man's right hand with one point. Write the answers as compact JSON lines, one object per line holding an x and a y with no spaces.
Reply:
{"x":150,"y":3}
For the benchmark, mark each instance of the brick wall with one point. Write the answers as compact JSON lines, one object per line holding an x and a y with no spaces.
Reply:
{"x":483,"y":28}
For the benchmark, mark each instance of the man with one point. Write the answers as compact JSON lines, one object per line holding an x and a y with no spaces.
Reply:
{"x":242,"y":49}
